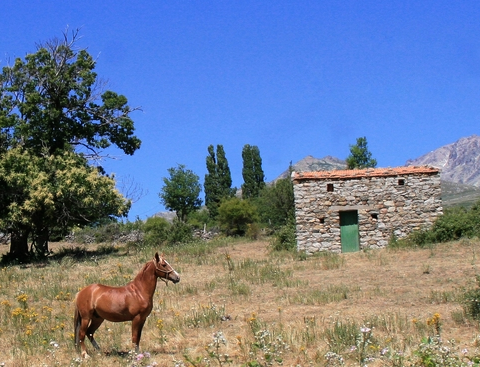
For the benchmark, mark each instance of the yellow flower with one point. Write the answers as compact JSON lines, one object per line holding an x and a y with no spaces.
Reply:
{"x":22,"y":298}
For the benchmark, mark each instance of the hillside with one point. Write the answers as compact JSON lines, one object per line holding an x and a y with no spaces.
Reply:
{"x":459,"y":161}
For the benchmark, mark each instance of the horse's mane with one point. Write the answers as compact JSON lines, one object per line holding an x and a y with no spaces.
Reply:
{"x":144,"y":269}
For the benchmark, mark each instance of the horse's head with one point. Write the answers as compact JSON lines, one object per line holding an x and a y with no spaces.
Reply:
{"x":164,"y":270}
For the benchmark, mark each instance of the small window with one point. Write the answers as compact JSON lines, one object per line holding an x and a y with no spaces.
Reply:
{"x":374,"y":215}
{"x":322,"y":220}
{"x":330,"y":187}
{"x":401,"y":182}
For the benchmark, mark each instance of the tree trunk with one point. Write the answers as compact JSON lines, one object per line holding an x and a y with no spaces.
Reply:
{"x":19,"y":245}
{"x":41,"y":242}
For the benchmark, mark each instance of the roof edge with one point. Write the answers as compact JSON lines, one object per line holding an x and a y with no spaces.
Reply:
{"x":367,"y":172}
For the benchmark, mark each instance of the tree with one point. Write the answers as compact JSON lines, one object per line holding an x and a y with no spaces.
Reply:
{"x":51,"y":106}
{"x":360,"y":157}
{"x":180,"y":192}
{"x":53,"y":192}
{"x":218,"y":180}
{"x":252,"y":172}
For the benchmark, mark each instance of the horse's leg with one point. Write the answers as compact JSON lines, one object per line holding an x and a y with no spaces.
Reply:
{"x":94,"y":325}
{"x":137,"y":326}
{"x":81,"y":336}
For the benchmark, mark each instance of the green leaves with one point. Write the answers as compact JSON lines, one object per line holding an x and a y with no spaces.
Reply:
{"x":54,"y":115}
{"x":218,"y":180}
{"x":360,"y":157}
{"x":252,"y":172}
{"x":180,"y":192}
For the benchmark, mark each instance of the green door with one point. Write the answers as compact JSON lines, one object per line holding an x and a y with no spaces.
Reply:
{"x":349,"y":231}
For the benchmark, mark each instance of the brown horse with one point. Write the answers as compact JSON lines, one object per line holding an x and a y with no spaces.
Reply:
{"x":132,"y":302}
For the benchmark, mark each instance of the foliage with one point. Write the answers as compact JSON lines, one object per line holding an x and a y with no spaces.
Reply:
{"x":252,"y":172}
{"x":234,"y":216}
{"x":471,"y":301}
{"x":218,"y":180}
{"x":54,"y":112}
{"x":156,"y":231}
{"x":180,"y":192}
{"x":199,"y":218}
{"x":180,"y":233}
{"x":40,"y":194}
{"x":276,"y":203}
{"x":285,"y":238}
{"x":52,"y":99}
{"x":455,"y":223}
{"x":360,"y":157}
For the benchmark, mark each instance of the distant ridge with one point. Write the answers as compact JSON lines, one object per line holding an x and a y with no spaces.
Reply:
{"x":310,"y":164}
{"x":459,"y":162}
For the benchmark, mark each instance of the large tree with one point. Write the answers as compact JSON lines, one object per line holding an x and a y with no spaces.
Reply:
{"x":180,"y":191}
{"x":218,"y":180}
{"x":52,"y":105}
{"x":53,"y":192}
{"x":360,"y":157}
{"x":252,"y":172}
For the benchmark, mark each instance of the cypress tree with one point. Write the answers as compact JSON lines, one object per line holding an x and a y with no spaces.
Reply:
{"x":252,"y":172}
{"x":218,"y":180}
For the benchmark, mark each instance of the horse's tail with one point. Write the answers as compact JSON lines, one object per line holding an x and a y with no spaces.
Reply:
{"x":77,"y":320}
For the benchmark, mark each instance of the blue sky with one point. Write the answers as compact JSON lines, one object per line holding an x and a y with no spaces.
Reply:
{"x":295,"y":78}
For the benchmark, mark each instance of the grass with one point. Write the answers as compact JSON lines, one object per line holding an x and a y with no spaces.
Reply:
{"x":237,"y":304}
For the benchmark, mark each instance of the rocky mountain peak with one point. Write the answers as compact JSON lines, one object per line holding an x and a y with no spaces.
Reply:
{"x":459,"y":161}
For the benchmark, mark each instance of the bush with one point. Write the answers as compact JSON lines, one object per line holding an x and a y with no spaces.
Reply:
{"x":156,"y":231}
{"x":200,"y":218}
{"x":284,"y":238}
{"x":454,"y":224}
{"x":180,"y":232}
{"x":234,"y":216}
{"x":471,"y":302}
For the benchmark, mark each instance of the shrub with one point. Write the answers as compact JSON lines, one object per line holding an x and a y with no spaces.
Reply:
{"x":471,"y":302}
{"x":200,"y":218}
{"x":179,"y":232}
{"x":156,"y":231}
{"x":234,"y":216}
{"x":284,"y":238}
{"x":454,"y":224}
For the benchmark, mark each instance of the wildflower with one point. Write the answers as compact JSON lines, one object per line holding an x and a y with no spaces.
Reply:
{"x":54,"y":344}
{"x":365,"y":329}
{"x":139,"y":357}
{"x":22,"y":298}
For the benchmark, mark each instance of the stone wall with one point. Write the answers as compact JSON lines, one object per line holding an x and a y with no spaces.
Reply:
{"x":386,"y":201}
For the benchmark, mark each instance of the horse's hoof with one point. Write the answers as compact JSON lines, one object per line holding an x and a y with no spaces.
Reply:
{"x":85,"y":355}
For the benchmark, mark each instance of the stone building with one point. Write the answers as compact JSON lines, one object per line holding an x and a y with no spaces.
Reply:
{"x":349,"y":210}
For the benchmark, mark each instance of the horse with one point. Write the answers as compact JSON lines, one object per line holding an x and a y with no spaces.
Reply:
{"x":132,"y":302}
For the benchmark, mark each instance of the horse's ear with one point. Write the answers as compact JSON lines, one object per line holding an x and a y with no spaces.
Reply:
{"x":157,"y":259}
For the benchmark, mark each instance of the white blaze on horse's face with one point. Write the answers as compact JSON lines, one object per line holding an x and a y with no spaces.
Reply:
{"x":165,"y":271}
{"x":173,"y":275}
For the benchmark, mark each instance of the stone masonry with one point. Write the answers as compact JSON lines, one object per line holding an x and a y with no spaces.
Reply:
{"x":386,"y":200}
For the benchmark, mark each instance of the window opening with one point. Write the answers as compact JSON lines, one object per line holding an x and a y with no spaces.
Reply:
{"x":401,"y":182}
{"x":329,"y":187}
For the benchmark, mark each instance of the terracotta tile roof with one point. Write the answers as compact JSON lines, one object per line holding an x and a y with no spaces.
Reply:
{"x":360,"y":173}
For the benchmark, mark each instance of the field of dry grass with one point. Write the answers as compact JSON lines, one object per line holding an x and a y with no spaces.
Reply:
{"x":239,"y":299}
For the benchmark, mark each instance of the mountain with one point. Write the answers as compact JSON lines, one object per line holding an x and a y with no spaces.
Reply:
{"x":309,"y":164}
{"x":459,"y":162}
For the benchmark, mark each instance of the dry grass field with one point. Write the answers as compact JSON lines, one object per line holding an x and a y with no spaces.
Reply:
{"x":237,"y":298}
